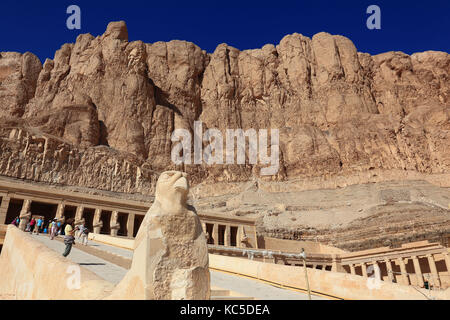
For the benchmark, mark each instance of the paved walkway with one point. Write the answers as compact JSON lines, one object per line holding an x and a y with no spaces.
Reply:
{"x":126,"y":253}
{"x":113,"y":273}
{"x":104,"y":269}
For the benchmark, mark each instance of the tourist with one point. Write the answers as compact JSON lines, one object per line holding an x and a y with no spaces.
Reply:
{"x":39,"y":224}
{"x":69,"y":238}
{"x":14,"y":223}
{"x":32,"y":224}
{"x":17,"y":221}
{"x":58,"y":226}
{"x":84,"y":231}
{"x":63,"y":227}
{"x":53,"y":229}
{"x":78,"y":231}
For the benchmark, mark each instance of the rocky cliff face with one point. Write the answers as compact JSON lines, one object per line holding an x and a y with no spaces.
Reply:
{"x":101,"y":113}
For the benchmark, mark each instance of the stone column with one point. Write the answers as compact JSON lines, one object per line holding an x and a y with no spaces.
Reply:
{"x":130,"y":225}
{"x":334,"y":263}
{"x":243,"y":238}
{"x":404,"y":276}
{"x":4,"y":208}
{"x":434,"y":272}
{"x":227,"y":236}
{"x":79,"y":214}
{"x":418,"y":271}
{"x":239,"y":236}
{"x":389,"y":270}
{"x":60,"y":211}
{"x":364,"y":269}
{"x":352,"y":269}
{"x":25,"y":214}
{"x":207,"y":233}
{"x":98,"y":223}
{"x":256,"y":237}
{"x":215,"y":233}
{"x":114,"y":225}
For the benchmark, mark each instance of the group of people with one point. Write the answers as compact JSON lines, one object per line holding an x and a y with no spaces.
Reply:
{"x":71,"y":231}
{"x":36,"y":226}
{"x":54,"y":228}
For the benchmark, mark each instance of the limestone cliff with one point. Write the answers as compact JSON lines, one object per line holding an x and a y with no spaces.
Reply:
{"x":101,"y":113}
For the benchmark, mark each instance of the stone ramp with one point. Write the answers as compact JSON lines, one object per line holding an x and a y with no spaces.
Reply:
{"x":102,"y":259}
{"x":252,"y":288}
{"x":103,"y":268}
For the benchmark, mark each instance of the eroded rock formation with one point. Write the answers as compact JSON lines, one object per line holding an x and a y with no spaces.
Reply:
{"x":107,"y":107}
{"x":18,"y":80}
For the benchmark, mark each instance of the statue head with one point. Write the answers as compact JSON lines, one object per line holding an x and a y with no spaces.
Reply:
{"x":172,"y":189}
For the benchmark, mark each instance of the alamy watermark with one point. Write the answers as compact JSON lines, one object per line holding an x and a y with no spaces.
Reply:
{"x":214,"y":151}
{"x":26,"y":289}
{"x":74,"y":20}
{"x":374,"y":20}
{"x":73,"y":281}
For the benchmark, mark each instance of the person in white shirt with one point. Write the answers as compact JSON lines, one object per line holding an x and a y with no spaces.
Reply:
{"x":83,"y":234}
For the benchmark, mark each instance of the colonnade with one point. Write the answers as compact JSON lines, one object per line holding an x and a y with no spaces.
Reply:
{"x":226,"y":234}
{"x":113,"y":225}
{"x":403,"y":277}
{"x":238,"y":232}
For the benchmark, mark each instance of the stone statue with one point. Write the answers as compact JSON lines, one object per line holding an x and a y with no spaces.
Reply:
{"x":244,"y":239}
{"x":25,"y":214}
{"x":97,"y":223}
{"x":79,"y":213}
{"x":170,"y":260}
{"x":60,"y":211}
{"x":114,"y":225}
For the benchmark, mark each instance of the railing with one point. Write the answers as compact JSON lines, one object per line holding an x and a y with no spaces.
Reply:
{"x":273,"y":256}
{"x":250,"y":252}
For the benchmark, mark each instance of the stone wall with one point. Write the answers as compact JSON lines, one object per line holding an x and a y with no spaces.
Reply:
{"x":338,"y":285}
{"x":296,"y":246}
{"x":35,"y":156}
{"x":32,"y":271}
{"x":114,"y":241}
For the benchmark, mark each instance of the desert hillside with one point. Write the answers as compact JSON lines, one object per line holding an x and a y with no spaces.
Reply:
{"x":355,"y":217}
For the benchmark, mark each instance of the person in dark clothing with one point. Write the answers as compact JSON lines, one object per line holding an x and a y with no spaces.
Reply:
{"x":32,"y":225}
{"x":69,"y":238}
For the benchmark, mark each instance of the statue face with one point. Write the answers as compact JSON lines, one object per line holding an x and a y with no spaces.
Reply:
{"x":171,"y":183}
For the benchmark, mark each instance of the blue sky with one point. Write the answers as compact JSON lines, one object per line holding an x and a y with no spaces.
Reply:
{"x":408,"y":26}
